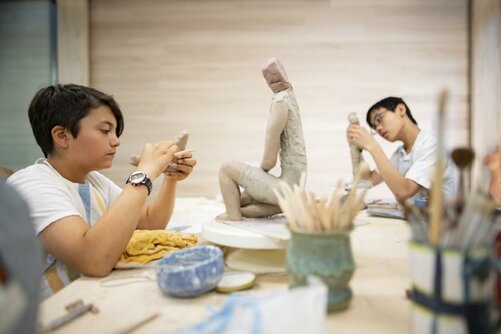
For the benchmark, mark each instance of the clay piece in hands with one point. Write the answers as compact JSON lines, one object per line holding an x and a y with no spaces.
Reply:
{"x":355,"y":151}
{"x":181,"y":140}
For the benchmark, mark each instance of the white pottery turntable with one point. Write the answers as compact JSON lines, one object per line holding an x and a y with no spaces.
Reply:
{"x":260,"y":243}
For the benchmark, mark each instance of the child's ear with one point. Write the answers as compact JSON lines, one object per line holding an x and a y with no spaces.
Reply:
{"x":400,"y":110}
{"x":60,"y":136}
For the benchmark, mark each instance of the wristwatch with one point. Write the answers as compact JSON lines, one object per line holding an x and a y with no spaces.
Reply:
{"x":139,"y":178}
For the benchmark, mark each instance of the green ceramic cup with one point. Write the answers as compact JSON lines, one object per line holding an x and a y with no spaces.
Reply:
{"x":326,"y":255}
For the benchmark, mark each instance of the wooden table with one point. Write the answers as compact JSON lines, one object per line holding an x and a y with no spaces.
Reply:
{"x":127,"y":297}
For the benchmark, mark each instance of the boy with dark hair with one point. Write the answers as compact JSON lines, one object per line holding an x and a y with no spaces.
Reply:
{"x":83,"y":219}
{"x":389,"y":103}
{"x":407,"y":172}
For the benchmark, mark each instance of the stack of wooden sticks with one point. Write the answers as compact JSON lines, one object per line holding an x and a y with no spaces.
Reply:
{"x":329,"y":214}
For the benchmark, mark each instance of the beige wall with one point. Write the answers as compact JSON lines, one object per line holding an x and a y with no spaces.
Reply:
{"x":486,"y":80}
{"x":195,"y":65}
{"x":73,"y":41}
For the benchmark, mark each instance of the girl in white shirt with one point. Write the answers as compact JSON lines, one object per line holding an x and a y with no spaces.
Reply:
{"x":407,"y":172}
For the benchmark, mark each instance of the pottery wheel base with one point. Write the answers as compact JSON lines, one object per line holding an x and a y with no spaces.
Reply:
{"x":257,"y":261}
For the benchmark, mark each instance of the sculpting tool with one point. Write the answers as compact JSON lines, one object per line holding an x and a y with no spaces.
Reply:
{"x":72,"y":314}
{"x":436,"y":190}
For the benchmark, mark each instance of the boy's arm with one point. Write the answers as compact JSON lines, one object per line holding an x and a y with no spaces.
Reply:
{"x":157,"y":215}
{"x":400,"y":186}
{"x":95,"y":250}
{"x":277,"y":120}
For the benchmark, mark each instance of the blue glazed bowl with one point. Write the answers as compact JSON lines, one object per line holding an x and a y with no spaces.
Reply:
{"x":190,"y":272}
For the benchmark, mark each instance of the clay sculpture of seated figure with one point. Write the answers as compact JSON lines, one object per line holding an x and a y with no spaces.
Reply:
{"x":284,"y":139}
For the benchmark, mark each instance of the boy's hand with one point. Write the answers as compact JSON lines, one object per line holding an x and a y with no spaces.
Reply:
{"x":359,"y":136}
{"x":156,"y":157}
{"x":184,"y":165}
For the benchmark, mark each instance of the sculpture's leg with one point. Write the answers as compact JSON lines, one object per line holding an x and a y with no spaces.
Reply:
{"x":259,"y":210}
{"x":245,"y":199}
{"x":229,"y":174}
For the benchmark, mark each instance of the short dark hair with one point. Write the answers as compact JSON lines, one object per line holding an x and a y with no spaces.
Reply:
{"x":389,"y":103}
{"x":66,"y":105}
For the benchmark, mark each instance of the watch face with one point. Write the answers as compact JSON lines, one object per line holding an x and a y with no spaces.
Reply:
{"x":137,"y":177}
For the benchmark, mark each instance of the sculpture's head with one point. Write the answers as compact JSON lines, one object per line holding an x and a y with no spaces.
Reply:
{"x":275,"y":76}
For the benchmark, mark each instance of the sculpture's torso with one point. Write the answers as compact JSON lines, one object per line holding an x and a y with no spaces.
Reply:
{"x":292,"y":147}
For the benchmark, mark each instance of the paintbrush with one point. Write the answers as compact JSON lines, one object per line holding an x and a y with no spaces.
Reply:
{"x":349,"y":206}
{"x":282,"y":203}
{"x":436,"y":190}
{"x":333,"y":205}
{"x":479,"y":224}
{"x":299,"y":202}
{"x":324,"y":213}
{"x":462,"y":157}
{"x":312,"y":209}
{"x":359,"y":205}
{"x":291,"y":203}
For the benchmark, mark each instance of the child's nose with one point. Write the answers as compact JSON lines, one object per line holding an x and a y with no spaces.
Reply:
{"x":115,"y":142}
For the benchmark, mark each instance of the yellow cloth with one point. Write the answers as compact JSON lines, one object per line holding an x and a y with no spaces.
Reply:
{"x":148,"y":245}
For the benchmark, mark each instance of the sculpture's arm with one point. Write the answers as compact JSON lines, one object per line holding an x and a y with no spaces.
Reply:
{"x":276,"y":123}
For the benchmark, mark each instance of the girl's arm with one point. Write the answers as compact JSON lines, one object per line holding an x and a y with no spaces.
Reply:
{"x":157,"y":215}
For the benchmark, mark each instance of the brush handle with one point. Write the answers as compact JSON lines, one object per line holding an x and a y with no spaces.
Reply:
{"x":437,"y":182}
{"x":436,"y":205}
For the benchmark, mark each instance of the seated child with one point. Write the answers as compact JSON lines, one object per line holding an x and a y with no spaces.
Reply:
{"x":407,"y":172}
{"x":83,"y":219}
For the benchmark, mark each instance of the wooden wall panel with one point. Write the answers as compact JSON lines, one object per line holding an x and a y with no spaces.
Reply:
{"x":195,"y":65}
{"x":486,"y":80}
{"x":73,"y":41}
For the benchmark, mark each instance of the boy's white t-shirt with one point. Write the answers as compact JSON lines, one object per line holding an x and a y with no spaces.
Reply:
{"x":420,"y":163}
{"x":51,"y":197}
